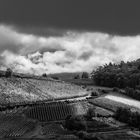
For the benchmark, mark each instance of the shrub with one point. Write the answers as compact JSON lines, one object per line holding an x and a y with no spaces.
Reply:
{"x":44,"y":75}
{"x":132,"y":93}
{"x":86,"y":136}
{"x":81,"y":134}
{"x":8,"y":72}
{"x":104,"y":91}
{"x":95,"y":93}
{"x":128,"y":116}
{"x":1,"y":75}
{"x":56,"y":78}
{"x":77,"y":77}
{"x":90,"y":113}
{"x":75,"y":123}
{"x":115,"y":89}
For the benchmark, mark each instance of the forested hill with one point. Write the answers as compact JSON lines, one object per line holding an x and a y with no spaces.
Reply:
{"x":118,"y":75}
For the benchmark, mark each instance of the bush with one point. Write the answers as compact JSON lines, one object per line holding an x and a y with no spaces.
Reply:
{"x":90,"y":113}
{"x":115,"y":89}
{"x":8,"y":72}
{"x":132,"y":93}
{"x":128,"y":116}
{"x":95,"y":93}
{"x":81,"y":134}
{"x":44,"y":75}
{"x":56,"y":78}
{"x":86,"y":136}
{"x":104,"y":91}
{"x":75,"y":123}
{"x":1,"y":75}
{"x":77,"y":77}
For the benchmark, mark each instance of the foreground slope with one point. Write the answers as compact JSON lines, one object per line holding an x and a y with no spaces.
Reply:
{"x":16,"y":89}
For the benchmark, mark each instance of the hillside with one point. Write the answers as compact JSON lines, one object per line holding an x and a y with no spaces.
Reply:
{"x":125,"y":74}
{"x":65,"y":75}
{"x":17,"y":89}
{"x":70,"y":77}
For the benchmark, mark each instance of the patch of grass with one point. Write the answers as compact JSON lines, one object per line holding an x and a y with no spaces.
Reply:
{"x":80,"y":81}
{"x":118,"y":135}
{"x":107,"y":104}
{"x":103,"y":112}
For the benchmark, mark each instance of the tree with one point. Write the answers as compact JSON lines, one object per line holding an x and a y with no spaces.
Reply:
{"x":75,"y":123}
{"x":44,"y":75}
{"x":8,"y":72}
{"x":138,"y":67}
{"x":118,"y":75}
{"x":90,"y":113}
{"x":77,"y":77}
{"x":132,"y":117}
{"x":54,"y":77}
{"x":85,"y":75}
{"x":95,"y":93}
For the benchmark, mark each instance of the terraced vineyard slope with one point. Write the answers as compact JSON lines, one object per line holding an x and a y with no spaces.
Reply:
{"x":56,"y":111}
{"x":16,"y":90}
{"x":12,"y":125}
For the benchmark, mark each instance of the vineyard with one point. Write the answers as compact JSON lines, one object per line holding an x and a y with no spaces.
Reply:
{"x":56,"y":111}
{"x":17,"y":90}
{"x":54,"y":129}
{"x":34,"y":107}
{"x":12,"y":125}
{"x":57,"y":132}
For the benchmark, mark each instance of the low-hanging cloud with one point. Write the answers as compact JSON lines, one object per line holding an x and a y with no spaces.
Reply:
{"x":72,"y":52}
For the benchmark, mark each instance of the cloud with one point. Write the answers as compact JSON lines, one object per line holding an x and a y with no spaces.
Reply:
{"x":74,"y":51}
{"x":86,"y":55}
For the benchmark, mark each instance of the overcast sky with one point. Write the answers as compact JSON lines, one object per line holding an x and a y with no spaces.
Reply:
{"x":115,"y":16}
{"x":51,"y":36}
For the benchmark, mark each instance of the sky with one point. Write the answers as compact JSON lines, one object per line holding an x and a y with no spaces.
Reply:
{"x":52,"y":36}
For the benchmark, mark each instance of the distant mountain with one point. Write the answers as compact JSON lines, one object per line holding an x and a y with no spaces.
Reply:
{"x":65,"y":75}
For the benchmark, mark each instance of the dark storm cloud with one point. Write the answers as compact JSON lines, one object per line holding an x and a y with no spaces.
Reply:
{"x":38,"y":36}
{"x":115,"y":16}
{"x":9,"y":39}
{"x":40,"y":30}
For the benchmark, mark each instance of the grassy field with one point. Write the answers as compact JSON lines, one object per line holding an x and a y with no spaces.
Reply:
{"x":86,"y":82}
{"x":124,"y":100}
{"x":118,"y":135}
{"x":106,"y":103}
{"x":112,"y":105}
{"x":103,"y":112}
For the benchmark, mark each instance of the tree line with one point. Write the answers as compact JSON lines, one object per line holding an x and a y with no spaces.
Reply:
{"x":118,"y":75}
{"x":128,"y":116}
{"x":122,"y":75}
